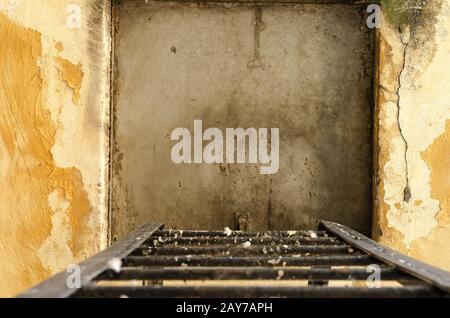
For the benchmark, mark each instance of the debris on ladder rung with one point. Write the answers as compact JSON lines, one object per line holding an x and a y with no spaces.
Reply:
{"x":227,"y":231}
{"x":115,"y":264}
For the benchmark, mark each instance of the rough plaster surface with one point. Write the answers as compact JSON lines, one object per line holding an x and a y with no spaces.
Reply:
{"x":303,"y":68}
{"x":413,"y":119}
{"x":53,"y":138}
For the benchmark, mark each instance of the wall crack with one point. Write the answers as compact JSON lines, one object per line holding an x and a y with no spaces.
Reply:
{"x":407,"y":189}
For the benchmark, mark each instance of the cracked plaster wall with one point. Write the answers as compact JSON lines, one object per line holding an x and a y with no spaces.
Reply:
{"x":412,"y":199}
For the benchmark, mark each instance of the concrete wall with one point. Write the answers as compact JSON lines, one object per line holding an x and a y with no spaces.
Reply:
{"x":412,"y":211}
{"x":306,"y":69}
{"x":54,"y":101}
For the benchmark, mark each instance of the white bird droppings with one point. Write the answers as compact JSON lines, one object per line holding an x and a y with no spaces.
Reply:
{"x":115,"y":264}
{"x":274,"y":261}
{"x":227,"y":231}
{"x":280,"y":274}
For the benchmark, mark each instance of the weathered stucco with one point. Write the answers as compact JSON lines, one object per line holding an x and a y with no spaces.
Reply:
{"x":412,"y":211}
{"x":54,"y":102}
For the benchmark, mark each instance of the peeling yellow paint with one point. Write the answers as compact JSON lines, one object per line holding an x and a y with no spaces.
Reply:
{"x":58,"y":242}
{"x":389,"y":61}
{"x":28,"y":170}
{"x":437,"y":157}
{"x":413,"y":77}
{"x":59,"y":46}
{"x":73,"y":75}
{"x":433,"y":249}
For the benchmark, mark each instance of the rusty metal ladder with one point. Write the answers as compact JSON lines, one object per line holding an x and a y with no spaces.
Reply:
{"x":333,"y":261}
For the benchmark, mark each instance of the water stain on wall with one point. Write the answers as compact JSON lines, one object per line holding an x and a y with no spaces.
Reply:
{"x":34,"y":190}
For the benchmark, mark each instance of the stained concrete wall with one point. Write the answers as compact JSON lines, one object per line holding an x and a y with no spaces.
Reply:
{"x":305,"y":69}
{"x":412,"y":203}
{"x":54,"y":102}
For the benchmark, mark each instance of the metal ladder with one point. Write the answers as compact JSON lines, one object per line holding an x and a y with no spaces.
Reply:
{"x":333,"y":261}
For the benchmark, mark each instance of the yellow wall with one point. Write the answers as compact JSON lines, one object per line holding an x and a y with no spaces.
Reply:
{"x":413,"y":134}
{"x":54,"y":101}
